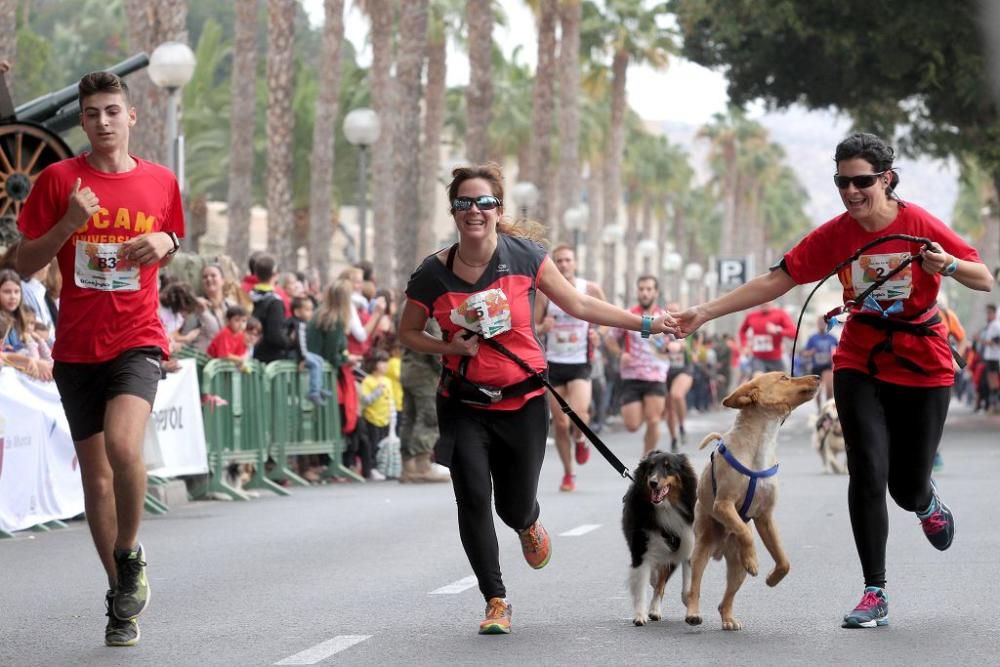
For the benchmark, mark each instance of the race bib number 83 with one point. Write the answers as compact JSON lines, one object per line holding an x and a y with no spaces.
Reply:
{"x":100,"y":266}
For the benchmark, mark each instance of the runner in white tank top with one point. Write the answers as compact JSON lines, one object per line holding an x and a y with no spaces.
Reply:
{"x":568,"y":342}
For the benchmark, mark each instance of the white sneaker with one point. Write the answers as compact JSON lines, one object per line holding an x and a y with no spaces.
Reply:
{"x":376,"y":476}
{"x":439,"y":469}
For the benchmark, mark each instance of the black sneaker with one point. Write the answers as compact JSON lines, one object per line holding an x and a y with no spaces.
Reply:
{"x":871,"y":612}
{"x":938,"y":522}
{"x":132,"y":594}
{"x":118,"y":632}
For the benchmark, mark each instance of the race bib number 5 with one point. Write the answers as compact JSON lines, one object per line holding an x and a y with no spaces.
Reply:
{"x":486,"y":313}
{"x":100,"y":266}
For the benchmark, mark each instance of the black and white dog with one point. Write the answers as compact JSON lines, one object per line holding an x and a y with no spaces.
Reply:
{"x":657,"y":520}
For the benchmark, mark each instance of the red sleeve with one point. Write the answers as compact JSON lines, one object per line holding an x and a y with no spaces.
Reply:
{"x":743,"y":331}
{"x":215,"y":347}
{"x":788,"y":326}
{"x":811,"y":260}
{"x":44,"y":206}
{"x":175,"y":217}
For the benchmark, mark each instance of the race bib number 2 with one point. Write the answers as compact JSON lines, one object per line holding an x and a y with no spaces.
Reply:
{"x":100,"y":266}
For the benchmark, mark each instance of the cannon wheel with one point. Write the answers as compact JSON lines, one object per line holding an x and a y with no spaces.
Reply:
{"x":25,"y":150}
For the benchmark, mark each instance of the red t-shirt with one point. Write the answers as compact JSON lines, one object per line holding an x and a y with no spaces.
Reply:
{"x":764,"y":343}
{"x":502,"y":300}
{"x":226,"y":343}
{"x":98,"y":324}
{"x":833,"y":242}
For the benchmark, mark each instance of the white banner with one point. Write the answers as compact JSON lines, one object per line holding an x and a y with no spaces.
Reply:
{"x":39,"y":472}
{"x":175,"y":437}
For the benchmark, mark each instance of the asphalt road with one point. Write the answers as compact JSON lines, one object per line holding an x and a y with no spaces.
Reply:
{"x":375,"y":574}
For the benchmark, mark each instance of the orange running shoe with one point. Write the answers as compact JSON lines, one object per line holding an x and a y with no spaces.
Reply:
{"x":568,"y":483}
{"x":536,"y":545}
{"x":582,"y":451}
{"x":497,"y":621}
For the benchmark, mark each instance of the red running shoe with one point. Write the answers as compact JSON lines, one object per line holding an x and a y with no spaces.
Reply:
{"x":582,"y":451}
{"x":536,"y":545}
{"x":568,"y":484}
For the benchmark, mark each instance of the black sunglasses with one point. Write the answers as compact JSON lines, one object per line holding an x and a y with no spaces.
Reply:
{"x":860,"y":182}
{"x":483,"y":203}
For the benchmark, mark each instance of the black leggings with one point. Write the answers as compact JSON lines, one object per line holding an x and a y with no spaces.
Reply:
{"x":509,"y":446}
{"x":892,"y":433}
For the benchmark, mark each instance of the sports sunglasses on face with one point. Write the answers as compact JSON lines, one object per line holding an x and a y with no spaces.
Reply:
{"x":860,"y":182}
{"x":483,"y":203}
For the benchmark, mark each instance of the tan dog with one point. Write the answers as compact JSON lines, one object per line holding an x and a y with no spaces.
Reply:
{"x":828,"y":439}
{"x":724,"y":490}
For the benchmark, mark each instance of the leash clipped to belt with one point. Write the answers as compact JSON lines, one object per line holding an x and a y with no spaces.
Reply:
{"x":861,"y":298}
{"x":575,"y":418}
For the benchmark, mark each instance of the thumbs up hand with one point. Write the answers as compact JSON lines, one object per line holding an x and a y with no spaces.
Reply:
{"x":82,"y":204}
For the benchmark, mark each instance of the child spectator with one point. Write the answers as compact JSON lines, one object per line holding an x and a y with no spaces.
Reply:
{"x":177,"y":303}
{"x":377,"y":410}
{"x":252,"y":335}
{"x":270,"y":310}
{"x":302,"y":312}
{"x":231,"y":341}
{"x":36,"y":345}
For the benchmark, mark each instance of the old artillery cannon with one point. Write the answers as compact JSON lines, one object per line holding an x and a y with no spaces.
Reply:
{"x":30,"y":141}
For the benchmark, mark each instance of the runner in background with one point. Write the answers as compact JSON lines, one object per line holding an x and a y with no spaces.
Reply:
{"x":569,"y":349}
{"x":680,"y":378}
{"x":642,"y":366}
{"x":818,"y":355}
{"x":762,"y":332}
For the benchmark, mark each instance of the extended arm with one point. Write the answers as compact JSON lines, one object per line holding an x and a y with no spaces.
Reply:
{"x":763,"y":288}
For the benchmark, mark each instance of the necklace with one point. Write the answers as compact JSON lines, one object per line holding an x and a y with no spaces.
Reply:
{"x":474,"y":266}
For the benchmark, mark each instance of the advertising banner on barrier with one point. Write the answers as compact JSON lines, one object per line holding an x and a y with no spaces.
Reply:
{"x":39,"y":472}
{"x":175,"y":437}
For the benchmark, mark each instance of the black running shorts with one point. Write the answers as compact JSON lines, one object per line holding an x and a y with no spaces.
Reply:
{"x":634,"y":391}
{"x":85,"y":389}
{"x":560,"y":374}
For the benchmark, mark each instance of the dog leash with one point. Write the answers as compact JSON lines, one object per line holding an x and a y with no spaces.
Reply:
{"x":863,"y":297}
{"x":564,"y":406}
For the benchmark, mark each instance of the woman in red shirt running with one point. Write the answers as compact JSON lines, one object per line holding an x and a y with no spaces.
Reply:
{"x":493,"y":415}
{"x":893,"y":368}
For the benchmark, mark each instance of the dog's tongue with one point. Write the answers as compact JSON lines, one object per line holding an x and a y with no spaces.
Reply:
{"x":660,"y":493}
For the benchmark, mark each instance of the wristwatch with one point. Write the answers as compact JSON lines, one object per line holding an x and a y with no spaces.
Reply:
{"x":176,"y":241}
{"x":647,"y":325}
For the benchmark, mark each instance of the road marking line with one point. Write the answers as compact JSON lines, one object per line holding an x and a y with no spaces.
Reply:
{"x":323,"y":650}
{"x":456,"y":587}
{"x":580,"y":530}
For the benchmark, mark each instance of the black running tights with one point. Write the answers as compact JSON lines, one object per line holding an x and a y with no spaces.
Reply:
{"x":498,"y":451}
{"x":892,"y":433}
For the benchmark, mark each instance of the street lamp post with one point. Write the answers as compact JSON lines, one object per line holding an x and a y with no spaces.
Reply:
{"x":611,"y":236}
{"x":693,"y":273}
{"x":574,"y":219}
{"x":670,"y":263}
{"x":362,"y":128}
{"x":171,"y":66}
{"x":526,"y":195}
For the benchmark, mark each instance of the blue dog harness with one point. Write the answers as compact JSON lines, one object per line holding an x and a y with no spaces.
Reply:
{"x":754,"y":475}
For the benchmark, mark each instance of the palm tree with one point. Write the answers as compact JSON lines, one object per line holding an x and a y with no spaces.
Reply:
{"x":409,"y":68}
{"x":382,"y":14}
{"x":150,"y":23}
{"x":633,"y":36}
{"x":567,"y":192}
{"x":479,"y":94}
{"x":8,"y":28}
{"x":280,"y":128}
{"x":443,"y":19}
{"x":321,"y":162}
{"x":206,"y":148}
{"x":540,"y":171}
{"x":242,"y":124}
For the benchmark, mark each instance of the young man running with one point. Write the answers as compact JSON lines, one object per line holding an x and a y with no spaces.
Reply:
{"x":112,"y":220}
{"x":569,"y":344}
{"x":643,"y":366}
